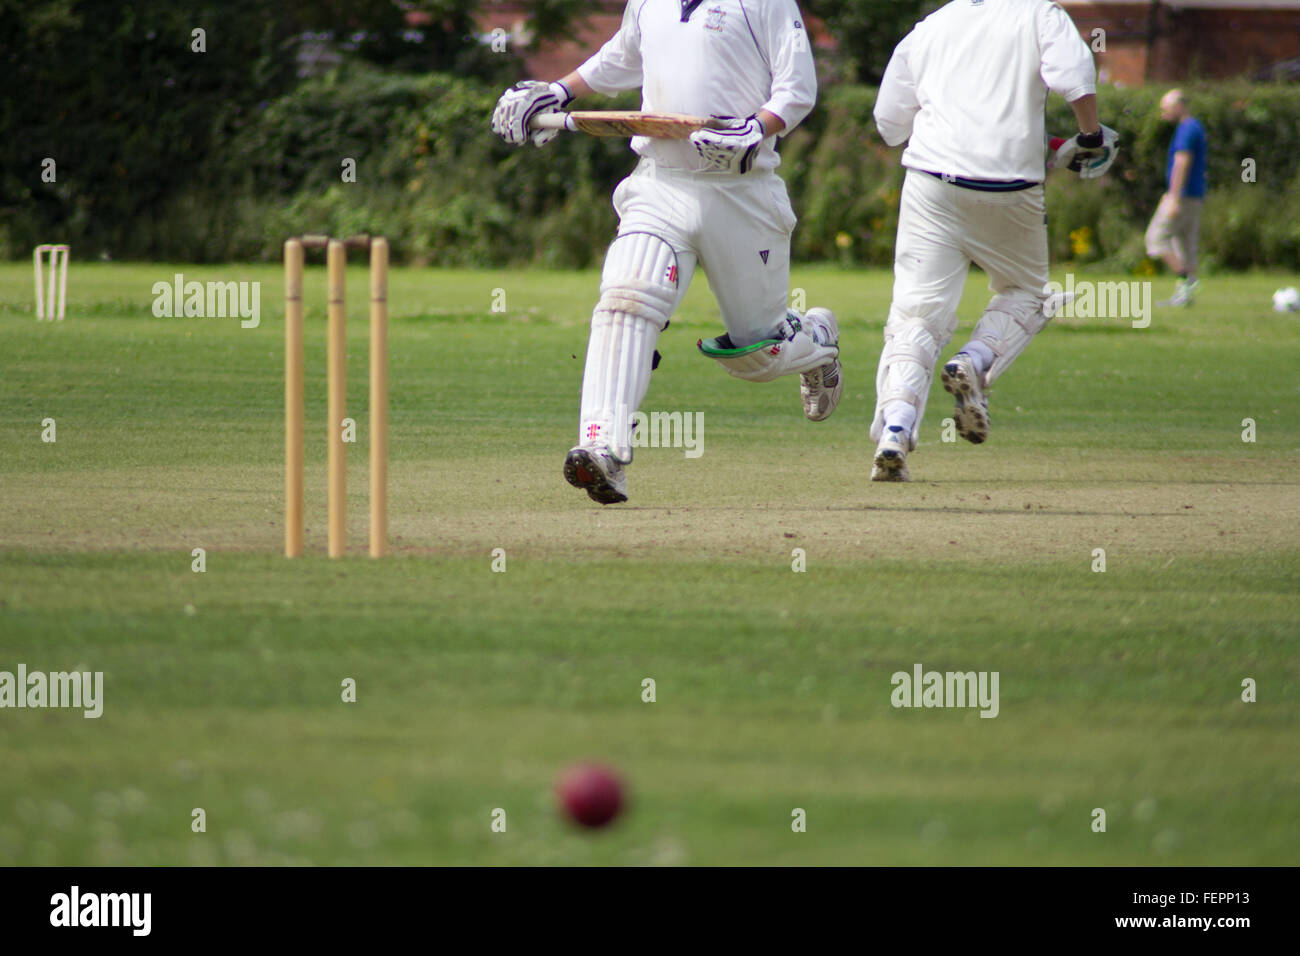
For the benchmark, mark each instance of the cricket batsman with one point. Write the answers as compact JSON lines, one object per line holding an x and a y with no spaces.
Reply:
{"x":967,"y":89}
{"x":712,"y":201}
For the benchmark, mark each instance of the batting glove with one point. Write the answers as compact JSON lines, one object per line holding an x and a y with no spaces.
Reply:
{"x":730,"y":150}
{"x":519,"y":104}
{"x":1088,"y":154}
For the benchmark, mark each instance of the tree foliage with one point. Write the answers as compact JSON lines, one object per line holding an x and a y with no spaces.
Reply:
{"x":130,"y":105}
{"x":866,"y":32}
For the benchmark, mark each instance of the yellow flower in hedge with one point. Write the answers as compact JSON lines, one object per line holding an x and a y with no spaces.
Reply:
{"x":843,"y":240}
{"x":1146,"y":267}
{"x":1081,"y":241}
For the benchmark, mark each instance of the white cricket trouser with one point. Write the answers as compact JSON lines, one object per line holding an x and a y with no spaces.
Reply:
{"x":943,"y":228}
{"x":736,"y":227}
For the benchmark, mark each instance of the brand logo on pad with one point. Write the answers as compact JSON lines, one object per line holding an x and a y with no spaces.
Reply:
{"x":672,"y":274}
{"x":593,"y":431}
{"x":774,"y":350}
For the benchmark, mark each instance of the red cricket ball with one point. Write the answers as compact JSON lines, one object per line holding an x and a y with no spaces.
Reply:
{"x":590,"y":794}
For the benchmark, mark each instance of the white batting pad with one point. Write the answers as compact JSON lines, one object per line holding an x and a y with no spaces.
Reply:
{"x":638,"y":292}
{"x":1011,"y":320}
{"x":788,"y":350}
{"x":905,"y":371}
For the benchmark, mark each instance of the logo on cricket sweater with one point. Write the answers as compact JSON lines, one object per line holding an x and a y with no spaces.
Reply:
{"x":762,"y":254}
{"x":716,"y":19}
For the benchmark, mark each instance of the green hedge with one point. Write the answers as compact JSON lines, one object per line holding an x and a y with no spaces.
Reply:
{"x":429,"y":175}
{"x":845,"y":183}
{"x":432,"y":177}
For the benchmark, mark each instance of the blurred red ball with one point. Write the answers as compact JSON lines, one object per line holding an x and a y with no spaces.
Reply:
{"x":590,"y":794}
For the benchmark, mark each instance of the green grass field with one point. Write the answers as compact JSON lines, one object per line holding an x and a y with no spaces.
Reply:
{"x":1119,"y":690}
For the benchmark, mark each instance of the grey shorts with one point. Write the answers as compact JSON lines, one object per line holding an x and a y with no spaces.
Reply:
{"x":1176,"y":233}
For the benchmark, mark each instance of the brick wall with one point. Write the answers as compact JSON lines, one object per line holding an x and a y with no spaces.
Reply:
{"x":1193,"y":39}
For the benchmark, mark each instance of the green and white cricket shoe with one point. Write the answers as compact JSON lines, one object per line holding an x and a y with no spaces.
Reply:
{"x":821,"y":388}
{"x":890,"y":463}
{"x":972,"y":411}
{"x":1184,"y":293}
{"x":594,"y":470}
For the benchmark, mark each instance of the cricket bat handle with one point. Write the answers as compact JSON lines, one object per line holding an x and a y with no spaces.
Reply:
{"x":553,"y":121}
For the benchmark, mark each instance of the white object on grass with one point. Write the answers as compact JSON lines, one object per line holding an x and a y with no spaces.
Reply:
{"x":55,"y":307}
{"x":1286,"y":300}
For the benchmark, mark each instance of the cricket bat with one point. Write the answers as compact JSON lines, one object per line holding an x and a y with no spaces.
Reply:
{"x":627,"y":123}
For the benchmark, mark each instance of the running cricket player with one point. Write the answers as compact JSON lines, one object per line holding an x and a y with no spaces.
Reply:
{"x":712,"y":201}
{"x":967,"y":89}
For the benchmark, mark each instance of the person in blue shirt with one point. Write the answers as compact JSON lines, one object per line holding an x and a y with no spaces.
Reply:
{"x":1174,"y":228}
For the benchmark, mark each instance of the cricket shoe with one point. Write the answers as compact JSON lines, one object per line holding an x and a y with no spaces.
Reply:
{"x":890,"y":463}
{"x":822,"y":387}
{"x":594,"y":470}
{"x":972,"y":412}
{"x":1184,"y":293}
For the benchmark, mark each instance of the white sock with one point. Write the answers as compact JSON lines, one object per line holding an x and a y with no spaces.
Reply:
{"x":980,"y":354}
{"x":902,"y":414}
